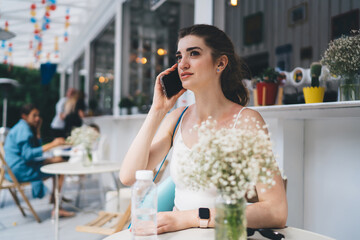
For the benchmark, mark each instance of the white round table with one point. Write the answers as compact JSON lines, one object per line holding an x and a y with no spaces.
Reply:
{"x":66,"y":168}
{"x":290,"y":233}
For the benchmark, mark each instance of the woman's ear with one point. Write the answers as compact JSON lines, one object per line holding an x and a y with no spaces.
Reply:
{"x":222,"y":62}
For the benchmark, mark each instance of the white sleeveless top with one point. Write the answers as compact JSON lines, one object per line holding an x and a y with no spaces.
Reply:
{"x":185,"y":198}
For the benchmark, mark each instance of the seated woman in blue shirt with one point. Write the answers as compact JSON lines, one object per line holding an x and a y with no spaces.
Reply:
{"x":23,"y":152}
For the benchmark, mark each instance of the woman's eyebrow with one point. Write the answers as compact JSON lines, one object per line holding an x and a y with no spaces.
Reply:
{"x":189,"y":49}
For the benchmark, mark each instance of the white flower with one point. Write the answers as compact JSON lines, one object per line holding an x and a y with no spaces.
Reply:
{"x":342,"y":55}
{"x":84,"y":135}
{"x":231,"y":159}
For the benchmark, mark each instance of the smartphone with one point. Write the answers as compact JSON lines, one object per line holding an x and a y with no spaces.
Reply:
{"x":171,"y":83}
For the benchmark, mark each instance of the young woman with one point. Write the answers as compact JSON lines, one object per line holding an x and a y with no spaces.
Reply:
{"x":209,"y":67}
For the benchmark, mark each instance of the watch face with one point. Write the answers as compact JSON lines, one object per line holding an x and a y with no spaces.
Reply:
{"x":204,"y":213}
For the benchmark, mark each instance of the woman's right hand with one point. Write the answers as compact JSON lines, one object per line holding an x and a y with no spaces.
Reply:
{"x":160,"y":101}
{"x":58,"y":141}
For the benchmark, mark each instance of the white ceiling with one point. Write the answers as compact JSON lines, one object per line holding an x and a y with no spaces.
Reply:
{"x":17,"y":14}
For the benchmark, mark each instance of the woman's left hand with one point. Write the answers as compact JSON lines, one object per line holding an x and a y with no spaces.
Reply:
{"x":176,"y":220}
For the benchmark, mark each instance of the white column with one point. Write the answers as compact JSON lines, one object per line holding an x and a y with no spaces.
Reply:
{"x":62,"y":83}
{"x":87,"y":61}
{"x":219,"y":14}
{"x":69,"y":71}
{"x":203,"y":12}
{"x":117,"y":59}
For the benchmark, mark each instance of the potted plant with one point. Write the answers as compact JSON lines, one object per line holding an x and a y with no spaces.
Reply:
{"x":267,"y":88}
{"x":93,"y":105}
{"x":140,"y":100}
{"x":126,"y":103}
{"x":343,"y":59}
{"x":315,"y":93}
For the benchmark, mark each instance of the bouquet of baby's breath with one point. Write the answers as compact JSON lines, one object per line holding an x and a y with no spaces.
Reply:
{"x":233,"y":160}
{"x":84,"y":135}
{"x":343,"y":55}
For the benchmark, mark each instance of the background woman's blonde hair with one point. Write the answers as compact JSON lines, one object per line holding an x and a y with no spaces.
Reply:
{"x":71,"y":103}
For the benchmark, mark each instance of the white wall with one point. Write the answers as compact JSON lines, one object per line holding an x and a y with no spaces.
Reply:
{"x":203,"y":12}
{"x":319,"y":151}
{"x":120,"y":132}
{"x":331,"y":177}
{"x":315,"y":32}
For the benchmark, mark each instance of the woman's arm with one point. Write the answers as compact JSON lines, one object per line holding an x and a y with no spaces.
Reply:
{"x":146,"y":151}
{"x":56,"y":142}
{"x":179,"y":220}
{"x":138,"y":155}
{"x":81,"y":113}
{"x":271,"y":210}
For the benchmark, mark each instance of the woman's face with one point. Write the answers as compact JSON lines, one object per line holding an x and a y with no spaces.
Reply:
{"x":195,"y":63}
{"x":33,"y":118}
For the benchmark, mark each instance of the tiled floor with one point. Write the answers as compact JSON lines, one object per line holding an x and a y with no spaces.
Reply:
{"x":14,"y":226}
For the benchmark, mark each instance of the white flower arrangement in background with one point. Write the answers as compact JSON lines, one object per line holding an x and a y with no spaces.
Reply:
{"x":233,"y":160}
{"x":84,"y":136}
{"x":343,"y":55}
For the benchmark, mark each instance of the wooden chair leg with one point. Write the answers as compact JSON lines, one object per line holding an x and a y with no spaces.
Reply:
{"x":16,"y":199}
{"x":29,"y":205}
{"x":124,"y":219}
{"x":2,"y":200}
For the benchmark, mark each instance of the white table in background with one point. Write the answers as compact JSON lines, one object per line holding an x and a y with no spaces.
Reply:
{"x":66,"y":168}
{"x":290,"y":233}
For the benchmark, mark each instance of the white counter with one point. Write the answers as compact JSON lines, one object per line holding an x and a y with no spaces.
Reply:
{"x":311,"y":111}
{"x":318,"y":146}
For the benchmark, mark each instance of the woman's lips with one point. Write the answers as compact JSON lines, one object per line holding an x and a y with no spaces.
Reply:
{"x":185,"y":75}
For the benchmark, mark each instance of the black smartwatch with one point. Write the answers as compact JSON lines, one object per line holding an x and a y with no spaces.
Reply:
{"x":204,"y":217}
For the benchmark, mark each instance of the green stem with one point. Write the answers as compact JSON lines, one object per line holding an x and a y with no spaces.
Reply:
{"x":89,"y":154}
{"x":230,"y":221}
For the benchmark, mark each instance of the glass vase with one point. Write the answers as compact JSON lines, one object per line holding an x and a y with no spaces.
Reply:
{"x":230,"y":219}
{"x":349,"y":89}
{"x":87,"y":157}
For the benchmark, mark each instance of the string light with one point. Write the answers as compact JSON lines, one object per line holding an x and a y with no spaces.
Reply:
{"x":161,"y":52}
{"x":67,"y":24}
{"x":142,"y":60}
{"x":101,"y":79}
{"x":233,"y":3}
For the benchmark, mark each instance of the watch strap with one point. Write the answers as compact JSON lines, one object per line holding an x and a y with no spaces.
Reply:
{"x":203,"y":223}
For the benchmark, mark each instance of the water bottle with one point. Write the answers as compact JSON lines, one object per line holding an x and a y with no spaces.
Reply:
{"x":144,"y":207}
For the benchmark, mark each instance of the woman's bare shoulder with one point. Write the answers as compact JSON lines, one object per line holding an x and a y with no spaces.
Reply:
{"x":175,"y":114}
{"x":171,"y":118}
{"x":251,"y":113}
